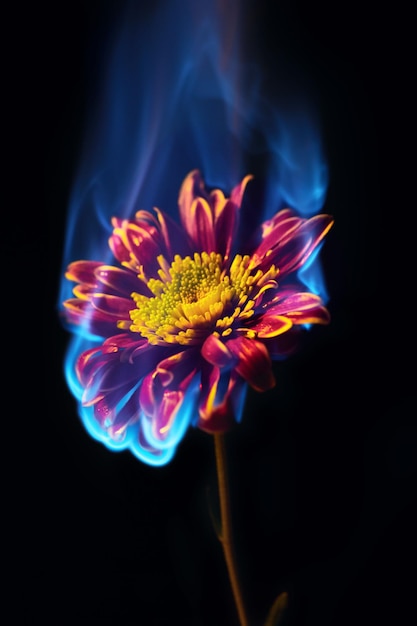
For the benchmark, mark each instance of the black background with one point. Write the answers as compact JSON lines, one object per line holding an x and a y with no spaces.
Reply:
{"x":323,"y":468}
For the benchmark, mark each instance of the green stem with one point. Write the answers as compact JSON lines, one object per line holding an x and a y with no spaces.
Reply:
{"x":226,"y":526}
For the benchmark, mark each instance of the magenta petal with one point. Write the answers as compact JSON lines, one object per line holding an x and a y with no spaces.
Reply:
{"x":271,"y":326}
{"x":289,"y":243}
{"x":173,"y":370}
{"x":166,"y":412}
{"x":219,"y":399}
{"x":282,"y":346}
{"x":120,"y":281}
{"x":216,"y":352}
{"x":277,"y":230}
{"x":113,"y":306}
{"x":225,"y":228}
{"x":111,"y":380}
{"x":118,"y":342}
{"x":254,"y":362}
{"x":172,"y":373}
{"x":301,"y":308}
{"x":147,"y":397}
{"x":236,"y":195}
{"x":191,"y":188}
{"x":83,"y":272}
{"x":87,"y":362}
{"x":81,"y":312}
{"x":200,"y":225}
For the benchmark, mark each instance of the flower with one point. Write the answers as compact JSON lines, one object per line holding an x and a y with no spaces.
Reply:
{"x":186,"y":322}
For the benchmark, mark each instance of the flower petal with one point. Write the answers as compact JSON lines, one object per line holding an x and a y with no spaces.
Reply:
{"x":177,"y":368}
{"x":192,"y":187}
{"x":288,"y":244}
{"x":119,"y":281}
{"x":226,"y":214}
{"x":195,"y":212}
{"x":82,"y":313}
{"x":216,"y":352}
{"x":225,"y":228}
{"x":136,"y":244}
{"x":220,"y":399}
{"x":200,"y":226}
{"x":254,"y":362}
{"x":109,"y":374}
{"x":209,"y":218}
{"x":172,"y":373}
{"x":271,"y":325}
{"x":301,"y":308}
{"x":113,"y":306}
{"x":83,"y":272}
{"x":236,"y":195}
{"x":164,"y":416}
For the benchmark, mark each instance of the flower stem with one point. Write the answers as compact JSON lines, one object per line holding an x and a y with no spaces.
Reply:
{"x":225,"y":536}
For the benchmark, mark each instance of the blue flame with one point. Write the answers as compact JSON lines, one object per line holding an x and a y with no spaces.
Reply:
{"x":175,"y":96}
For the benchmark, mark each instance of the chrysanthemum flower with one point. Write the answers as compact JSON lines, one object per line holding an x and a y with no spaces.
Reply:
{"x":186,"y":320}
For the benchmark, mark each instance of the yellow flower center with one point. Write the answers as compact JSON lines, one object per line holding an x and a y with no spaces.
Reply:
{"x":197,"y":296}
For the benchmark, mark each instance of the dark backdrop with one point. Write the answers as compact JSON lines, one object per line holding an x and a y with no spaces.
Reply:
{"x":323,"y":468}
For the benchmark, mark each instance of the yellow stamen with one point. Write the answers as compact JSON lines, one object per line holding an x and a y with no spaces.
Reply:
{"x":195,"y":296}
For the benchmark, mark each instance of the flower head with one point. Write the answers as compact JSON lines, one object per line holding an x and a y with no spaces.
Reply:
{"x":185,"y":321}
